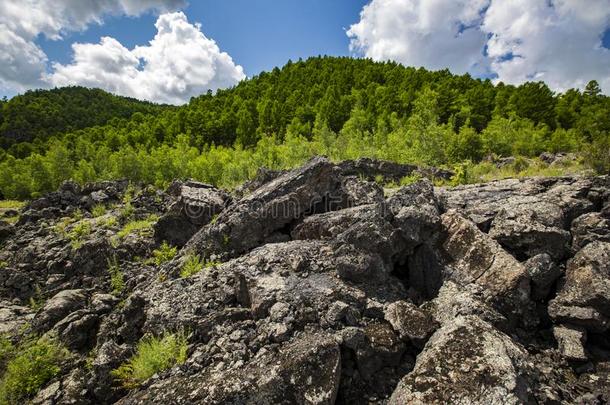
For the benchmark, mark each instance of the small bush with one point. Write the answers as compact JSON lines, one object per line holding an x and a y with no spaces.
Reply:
{"x":142,"y":227}
{"x":152,"y":356}
{"x":117,"y":281}
{"x":164,"y":254}
{"x":98,"y":210}
{"x":194,"y":264}
{"x":410,"y":179}
{"x":33,"y":365}
{"x":3,"y":265}
{"x":79,"y":233}
{"x":6,"y":351}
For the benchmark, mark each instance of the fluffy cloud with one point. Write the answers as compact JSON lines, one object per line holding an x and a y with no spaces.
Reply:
{"x":180,"y":62}
{"x":558,"y":41}
{"x":22,"y":62}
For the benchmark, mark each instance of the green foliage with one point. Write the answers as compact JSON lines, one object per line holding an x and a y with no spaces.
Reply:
{"x":194,"y":264}
{"x":11,"y":204}
{"x":7,"y":350}
{"x":79,"y":232}
{"x":152,"y":356}
{"x":3,"y":265}
{"x":141,"y":227}
{"x":164,"y":254}
{"x":117,"y":279}
{"x":98,"y":210}
{"x":339,"y":107}
{"x":598,"y":156}
{"x":31,"y":366}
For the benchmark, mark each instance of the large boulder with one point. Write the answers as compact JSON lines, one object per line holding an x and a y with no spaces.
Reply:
{"x":59,"y":306}
{"x":313,"y":188}
{"x":195,"y":205}
{"x":584,"y":298}
{"x":467,"y":361}
{"x":477,"y":259}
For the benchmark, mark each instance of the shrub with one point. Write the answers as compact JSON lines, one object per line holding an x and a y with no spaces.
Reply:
{"x":11,"y":204}
{"x":152,"y":356}
{"x":598,"y":155}
{"x":194,"y":264}
{"x":3,"y":264}
{"x":164,"y":254}
{"x":410,"y":179}
{"x":33,"y":365}
{"x":98,"y":210}
{"x":79,"y":233}
{"x":141,"y":227}
{"x":117,"y":281}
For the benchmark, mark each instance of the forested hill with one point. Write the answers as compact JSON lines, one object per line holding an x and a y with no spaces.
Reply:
{"x":42,"y":113}
{"x":343,"y":108}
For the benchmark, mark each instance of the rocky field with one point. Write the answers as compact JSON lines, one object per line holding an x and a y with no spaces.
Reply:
{"x":314,"y":286}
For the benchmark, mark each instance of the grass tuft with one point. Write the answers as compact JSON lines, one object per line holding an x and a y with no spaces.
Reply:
{"x":164,"y":254}
{"x":152,"y":356}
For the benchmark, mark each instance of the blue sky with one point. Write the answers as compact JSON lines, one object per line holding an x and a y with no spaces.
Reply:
{"x":259,"y":35}
{"x":486,"y":38}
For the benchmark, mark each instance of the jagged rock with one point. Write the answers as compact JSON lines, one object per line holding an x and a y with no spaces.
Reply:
{"x":589,"y":228}
{"x":426,"y":271}
{"x":389,"y":171}
{"x":573,"y":196}
{"x":78,"y":330}
{"x":467,"y":361}
{"x":364,"y":227}
{"x":571,"y":340}
{"x":543,"y":272}
{"x":196,"y":204}
{"x":359,"y":192}
{"x":584,"y":298}
{"x":527,"y":231}
{"x":454,"y":301}
{"x":411,"y":323}
{"x":58,"y":307}
{"x":477,"y":259}
{"x":306,"y":370}
{"x":13,"y":317}
{"x":313,"y":188}
{"x":415,"y":212}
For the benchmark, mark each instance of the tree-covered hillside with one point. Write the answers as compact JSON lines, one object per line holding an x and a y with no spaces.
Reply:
{"x":339,"y":107}
{"x":42,"y":113}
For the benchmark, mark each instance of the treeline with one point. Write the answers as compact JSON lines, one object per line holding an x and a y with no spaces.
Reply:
{"x":340,"y":107}
{"x":39,"y":114}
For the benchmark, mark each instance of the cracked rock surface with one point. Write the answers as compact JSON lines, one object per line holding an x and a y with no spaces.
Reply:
{"x":313,"y":287}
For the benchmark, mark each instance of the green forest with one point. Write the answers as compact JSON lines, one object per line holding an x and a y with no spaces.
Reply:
{"x":343,"y":108}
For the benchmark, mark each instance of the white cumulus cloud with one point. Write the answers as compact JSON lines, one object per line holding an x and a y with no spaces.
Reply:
{"x":558,"y":41}
{"x":22,"y":62}
{"x":179,"y":62}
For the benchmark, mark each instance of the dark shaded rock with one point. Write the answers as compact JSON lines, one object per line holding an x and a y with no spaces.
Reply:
{"x":527,"y":231}
{"x":6,"y":230}
{"x":58,"y":307}
{"x":78,"y":330}
{"x":543,"y":272}
{"x":584,"y":298}
{"x":426,"y":271}
{"x":389,"y":171}
{"x":467,"y":361}
{"x":360,"y":192}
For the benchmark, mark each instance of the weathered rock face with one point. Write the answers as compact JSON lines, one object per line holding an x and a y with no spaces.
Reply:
{"x":478,"y":259}
{"x":313,"y":287}
{"x":584,"y":298}
{"x":196,"y":205}
{"x":467,"y":361}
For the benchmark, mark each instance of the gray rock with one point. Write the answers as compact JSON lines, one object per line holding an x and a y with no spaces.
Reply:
{"x":571,"y":340}
{"x":313,"y":188}
{"x":589,"y":228}
{"x":306,"y":370}
{"x":477,"y":259}
{"x":412,"y":324}
{"x":467,"y":361}
{"x":543,"y":272}
{"x":13,"y":317}
{"x":58,"y":307}
{"x":584,"y":298}
{"x":195,"y":205}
